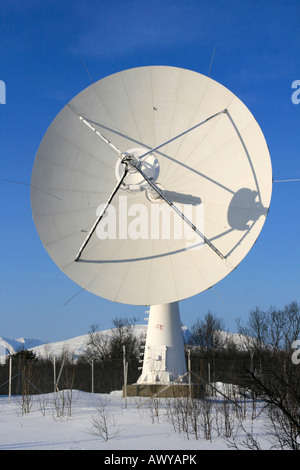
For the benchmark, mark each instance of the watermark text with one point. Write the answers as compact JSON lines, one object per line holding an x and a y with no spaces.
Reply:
{"x":296,"y":353}
{"x":296,"y":94}
{"x":2,"y":92}
{"x":157,"y":221}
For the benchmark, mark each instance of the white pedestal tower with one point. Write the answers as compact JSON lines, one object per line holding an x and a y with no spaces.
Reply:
{"x":164,"y":359}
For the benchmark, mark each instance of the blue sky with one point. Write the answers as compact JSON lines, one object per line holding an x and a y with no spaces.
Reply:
{"x":257,"y":56}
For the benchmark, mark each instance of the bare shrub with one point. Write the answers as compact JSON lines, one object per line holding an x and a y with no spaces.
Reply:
{"x":191,"y":416}
{"x":63,"y":400}
{"x":104,"y":424}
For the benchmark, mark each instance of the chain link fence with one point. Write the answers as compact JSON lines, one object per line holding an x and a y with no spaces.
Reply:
{"x":45,"y":376}
{"x":104,"y":376}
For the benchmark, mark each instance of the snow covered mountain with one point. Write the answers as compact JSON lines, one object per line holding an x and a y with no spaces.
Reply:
{"x":13,"y":345}
{"x":76,"y":346}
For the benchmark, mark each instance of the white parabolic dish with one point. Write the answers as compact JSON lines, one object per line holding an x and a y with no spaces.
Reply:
{"x":218,"y":174}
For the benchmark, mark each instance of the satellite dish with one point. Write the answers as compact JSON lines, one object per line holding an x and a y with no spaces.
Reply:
{"x":150,"y":186}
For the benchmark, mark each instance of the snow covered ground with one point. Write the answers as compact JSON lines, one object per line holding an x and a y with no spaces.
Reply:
{"x":130,"y":428}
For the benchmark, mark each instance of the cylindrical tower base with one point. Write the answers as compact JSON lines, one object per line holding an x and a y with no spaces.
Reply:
{"x":164,"y":359}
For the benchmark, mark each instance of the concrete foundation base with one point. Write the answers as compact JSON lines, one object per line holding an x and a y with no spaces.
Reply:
{"x":181,"y":390}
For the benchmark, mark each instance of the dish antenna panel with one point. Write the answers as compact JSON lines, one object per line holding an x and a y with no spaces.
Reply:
{"x":150,"y":186}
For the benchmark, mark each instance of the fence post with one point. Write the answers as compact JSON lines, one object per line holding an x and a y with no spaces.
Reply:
{"x":9,"y":376}
{"x":92,"y":375}
{"x":189,"y":371}
{"x":54,"y":374}
{"x":125,"y":368}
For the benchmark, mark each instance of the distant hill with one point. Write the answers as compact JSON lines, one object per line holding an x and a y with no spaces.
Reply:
{"x":77,"y":345}
{"x":14,"y":345}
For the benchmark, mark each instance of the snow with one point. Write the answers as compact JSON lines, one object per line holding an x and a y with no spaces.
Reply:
{"x":135,"y":428}
{"x":130,"y":428}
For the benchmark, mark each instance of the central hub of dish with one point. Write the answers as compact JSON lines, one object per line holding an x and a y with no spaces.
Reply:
{"x":134,"y":181}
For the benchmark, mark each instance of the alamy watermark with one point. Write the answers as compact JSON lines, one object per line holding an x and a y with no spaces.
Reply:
{"x":154,"y":221}
{"x":296,"y":94}
{"x":296,"y":353}
{"x":2,"y":92}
